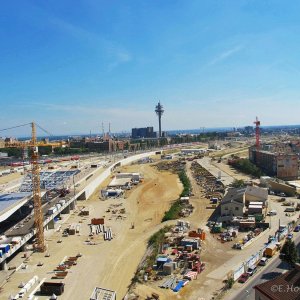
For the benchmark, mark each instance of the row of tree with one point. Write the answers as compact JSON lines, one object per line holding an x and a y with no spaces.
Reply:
{"x":246,"y":166}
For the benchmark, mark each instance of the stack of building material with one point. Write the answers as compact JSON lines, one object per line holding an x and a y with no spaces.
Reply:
{"x":168,"y":268}
{"x":190,"y":275}
{"x":170,"y":283}
{"x":200,"y":234}
{"x":26,"y":287}
{"x":108,"y":234}
{"x":161,"y":260}
{"x":85,"y":212}
{"x":179,"y":285}
{"x":194,"y":242}
{"x":72,"y":229}
{"x":97,"y":221}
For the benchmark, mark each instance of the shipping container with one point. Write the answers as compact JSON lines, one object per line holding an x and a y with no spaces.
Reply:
{"x":97,"y":221}
{"x":50,"y":288}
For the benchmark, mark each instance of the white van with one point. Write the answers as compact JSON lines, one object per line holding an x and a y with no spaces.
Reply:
{"x":272,"y":213}
{"x":263,"y":261}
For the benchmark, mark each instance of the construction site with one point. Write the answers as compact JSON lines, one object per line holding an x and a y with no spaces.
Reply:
{"x":105,"y":219}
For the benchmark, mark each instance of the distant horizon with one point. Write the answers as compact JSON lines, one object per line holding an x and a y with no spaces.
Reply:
{"x":173,"y":131}
{"x":209,"y":63}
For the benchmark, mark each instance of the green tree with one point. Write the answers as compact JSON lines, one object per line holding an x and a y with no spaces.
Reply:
{"x":238,"y":183}
{"x":290,"y":252}
{"x":245,"y":166}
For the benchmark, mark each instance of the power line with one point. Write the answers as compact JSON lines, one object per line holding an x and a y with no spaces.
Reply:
{"x":14,"y":127}
{"x":49,"y":133}
{"x":17,"y":126}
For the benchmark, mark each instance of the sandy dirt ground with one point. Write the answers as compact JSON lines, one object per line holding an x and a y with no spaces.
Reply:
{"x":227,"y":152}
{"x":213,"y":253}
{"x":108,"y":264}
{"x":219,"y":257}
{"x":10,"y":177}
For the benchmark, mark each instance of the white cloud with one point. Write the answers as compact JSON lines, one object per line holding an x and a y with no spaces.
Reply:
{"x":115,"y":52}
{"x":226,"y":54}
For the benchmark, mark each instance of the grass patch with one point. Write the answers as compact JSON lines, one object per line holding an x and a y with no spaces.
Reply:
{"x":155,"y":242}
{"x":186,"y":184}
{"x":244,"y":165}
{"x":177,"y":206}
{"x":173,"y":212}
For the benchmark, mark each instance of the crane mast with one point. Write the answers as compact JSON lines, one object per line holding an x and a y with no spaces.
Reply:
{"x":37,"y":202}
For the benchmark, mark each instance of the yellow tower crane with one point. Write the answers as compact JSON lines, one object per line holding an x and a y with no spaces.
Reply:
{"x":36,"y":192}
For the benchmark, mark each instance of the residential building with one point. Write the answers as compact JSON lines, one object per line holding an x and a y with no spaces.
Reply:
{"x":285,"y":286}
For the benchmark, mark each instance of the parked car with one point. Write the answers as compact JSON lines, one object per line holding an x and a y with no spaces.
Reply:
{"x":263,"y":261}
{"x":251,"y":270}
{"x":272,"y":213}
{"x":244,"y":277}
{"x":297,"y":228}
{"x":289,"y":236}
{"x":237,"y":246}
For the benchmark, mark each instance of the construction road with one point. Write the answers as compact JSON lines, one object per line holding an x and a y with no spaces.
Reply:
{"x":205,"y":162}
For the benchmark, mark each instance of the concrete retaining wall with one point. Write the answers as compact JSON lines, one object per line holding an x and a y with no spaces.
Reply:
{"x":90,"y":188}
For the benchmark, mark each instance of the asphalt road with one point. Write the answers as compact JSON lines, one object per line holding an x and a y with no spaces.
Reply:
{"x":205,"y":162}
{"x":274,"y":268}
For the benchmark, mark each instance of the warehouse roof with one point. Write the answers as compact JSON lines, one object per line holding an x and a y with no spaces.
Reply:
{"x":258,"y":192}
{"x":288,"y":282}
{"x":234,"y":195}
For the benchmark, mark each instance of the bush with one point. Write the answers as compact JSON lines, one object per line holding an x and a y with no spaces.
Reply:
{"x":186,"y":184}
{"x":246,"y":166}
{"x":238,"y":183}
{"x":230,"y":283}
{"x":155,"y":242}
{"x":173,"y":212}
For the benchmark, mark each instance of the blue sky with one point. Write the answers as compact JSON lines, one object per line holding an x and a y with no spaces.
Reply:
{"x":71,"y":65}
